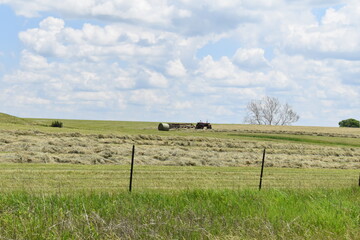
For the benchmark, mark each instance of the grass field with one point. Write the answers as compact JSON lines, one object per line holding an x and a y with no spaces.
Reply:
{"x":67,"y":178}
{"x":109,"y":142}
{"x":71,"y":183}
{"x":200,"y":214}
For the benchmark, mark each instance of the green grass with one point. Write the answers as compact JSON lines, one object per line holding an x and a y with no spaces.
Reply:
{"x":132,"y":128}
{"x":102,"y":127}
{"x":318,"y":140}
{"x":67,"y":201}
{"x":192,"y":214}
{"x":66,"y":178}
{"x":150,"y":128}
{"x":9,"y":119}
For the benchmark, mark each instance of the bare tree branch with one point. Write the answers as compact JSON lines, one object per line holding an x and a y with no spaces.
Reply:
{"x":254,"y":116}
{"x":270,"y":108}
{"x":269,"y":111}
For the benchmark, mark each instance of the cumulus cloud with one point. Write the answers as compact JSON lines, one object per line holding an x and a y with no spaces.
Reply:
{"x":180,"y":15}
{"x":252,"y":59}
{"x":31,"y":61}
{"x":225,"y":73}
{"x":175,"y":68}
{"x":94,"y":42}
{"x":142,"y":58}
{"x":154,"y":11}
{"x":149,"y":97}
{"x":336,"y":36}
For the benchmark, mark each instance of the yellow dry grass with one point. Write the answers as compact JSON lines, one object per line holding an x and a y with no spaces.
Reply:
{"x":29,"y":146}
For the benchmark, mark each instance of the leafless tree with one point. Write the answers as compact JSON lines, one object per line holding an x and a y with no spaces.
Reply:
{"x":269,"y":111}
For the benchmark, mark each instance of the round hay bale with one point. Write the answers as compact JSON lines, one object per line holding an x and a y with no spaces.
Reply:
{"x":163,"y":127}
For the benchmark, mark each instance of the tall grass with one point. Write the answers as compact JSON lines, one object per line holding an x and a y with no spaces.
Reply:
{"x":196,"y":214}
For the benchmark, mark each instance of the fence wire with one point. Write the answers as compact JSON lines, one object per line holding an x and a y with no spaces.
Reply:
{"x":116,"y":178}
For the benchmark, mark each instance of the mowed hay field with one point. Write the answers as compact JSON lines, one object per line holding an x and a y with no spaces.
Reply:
{"x":107,"y":142}
{"x":72,"y":183}
{"x":96,"y":155}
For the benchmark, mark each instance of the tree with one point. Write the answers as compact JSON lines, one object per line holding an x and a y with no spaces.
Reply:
{"x":350,"y":123}
{"x":269,"y":111}
{"x":57,"y":124}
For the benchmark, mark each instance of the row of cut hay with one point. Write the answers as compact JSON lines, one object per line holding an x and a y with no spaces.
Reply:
{"x":27,"y":146}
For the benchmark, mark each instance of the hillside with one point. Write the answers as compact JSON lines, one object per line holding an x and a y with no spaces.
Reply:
{"x":6,"y":118}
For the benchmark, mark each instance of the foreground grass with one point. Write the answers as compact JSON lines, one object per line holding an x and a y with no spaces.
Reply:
{"x":196,"y":214}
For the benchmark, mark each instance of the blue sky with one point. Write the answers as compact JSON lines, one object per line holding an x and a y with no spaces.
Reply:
{"x":179,"y":60}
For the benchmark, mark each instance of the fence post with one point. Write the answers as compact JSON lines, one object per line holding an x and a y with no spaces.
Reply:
{"x":262,"y":169}
{"x":359,"y":180}
{"x":132,"y":168}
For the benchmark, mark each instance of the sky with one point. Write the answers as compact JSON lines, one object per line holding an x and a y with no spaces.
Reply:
{"x":179,"y":60}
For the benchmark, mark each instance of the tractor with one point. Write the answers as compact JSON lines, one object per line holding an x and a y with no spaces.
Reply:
{"x":202,"y":125}
{"x":168,"y":126}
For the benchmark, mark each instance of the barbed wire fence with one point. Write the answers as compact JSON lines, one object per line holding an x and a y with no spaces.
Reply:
{"x":64,"y":178}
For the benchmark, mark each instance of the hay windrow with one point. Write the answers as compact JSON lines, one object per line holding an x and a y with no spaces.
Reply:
{"x":23,"y":146}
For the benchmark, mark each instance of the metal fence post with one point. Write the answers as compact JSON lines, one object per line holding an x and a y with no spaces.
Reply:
{"x":262,"y":169}
{"x":132,"y":168}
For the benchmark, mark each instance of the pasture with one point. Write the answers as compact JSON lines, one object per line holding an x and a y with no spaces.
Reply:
{"x":189,"y":214}
{"x":109,"y":142}
{"x":67,"y":178}
{"x":71,"y":182}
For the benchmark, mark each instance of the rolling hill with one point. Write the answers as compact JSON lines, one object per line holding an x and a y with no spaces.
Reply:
{"x":6,"y":118}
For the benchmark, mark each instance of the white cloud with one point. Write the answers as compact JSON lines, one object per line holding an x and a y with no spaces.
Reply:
{"x":157,"y":80}
{"x":175,"y":68}
{"x":224,"y":73}
{"x":319,"y":88}
{"x":124,"y":80}
{"x":222,"y":69}
{"x":279,"y":80}
{"x":23,"y":100}
{"x":337,"y":35}
{"x":184,"y":105}
{"x":148,"y":97}
{"x":141,"y":58}
{"x":52,"y":24}
{"x":20,"y":76}
{"x":152,"y":12}
{"x":31,"y":61}
{"x":44,"y":39}
{"x":251,"y":58}
{"x":221,"y":111}
{"x":94,"y":42}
